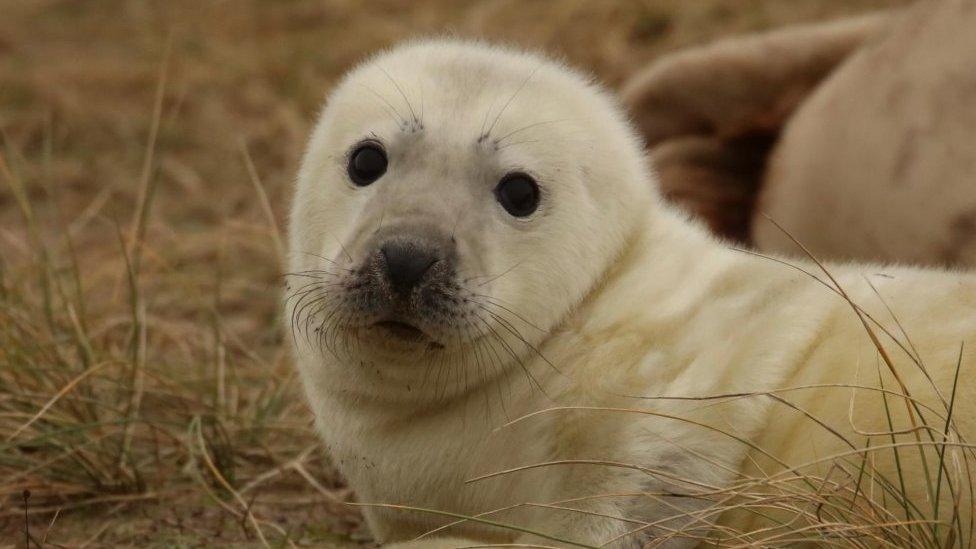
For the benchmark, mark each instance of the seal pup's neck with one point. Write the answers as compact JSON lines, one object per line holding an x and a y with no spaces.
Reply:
{"x":660,"y":279}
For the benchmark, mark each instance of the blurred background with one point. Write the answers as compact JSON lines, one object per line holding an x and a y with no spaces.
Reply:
{"x":147,"y":151}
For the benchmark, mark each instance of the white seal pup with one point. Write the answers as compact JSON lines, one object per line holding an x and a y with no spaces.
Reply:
{"x":486,"y":289}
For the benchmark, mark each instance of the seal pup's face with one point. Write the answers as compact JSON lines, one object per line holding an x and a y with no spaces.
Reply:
{"x":455,"y":202}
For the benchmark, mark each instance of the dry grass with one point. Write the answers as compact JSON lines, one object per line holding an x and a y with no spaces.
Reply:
{"x":146,"y":395}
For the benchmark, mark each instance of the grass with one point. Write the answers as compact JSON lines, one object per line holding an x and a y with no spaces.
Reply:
{"x":146,"y":155}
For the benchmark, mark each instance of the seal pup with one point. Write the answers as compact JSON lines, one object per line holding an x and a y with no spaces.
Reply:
{"x":486,"y":289}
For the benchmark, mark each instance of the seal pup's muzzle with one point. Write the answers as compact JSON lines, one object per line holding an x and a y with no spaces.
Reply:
{"x":406,"y":286}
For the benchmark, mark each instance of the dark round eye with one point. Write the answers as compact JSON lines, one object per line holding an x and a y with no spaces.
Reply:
{"x":518,"y":194}
{"x":367,"y":164}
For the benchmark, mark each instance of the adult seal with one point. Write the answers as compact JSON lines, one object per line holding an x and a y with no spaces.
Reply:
{"x":496,"y":316}
{"x":852,"y":134}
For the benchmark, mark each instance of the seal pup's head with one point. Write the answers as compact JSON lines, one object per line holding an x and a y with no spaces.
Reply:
{"x":455,"y":203}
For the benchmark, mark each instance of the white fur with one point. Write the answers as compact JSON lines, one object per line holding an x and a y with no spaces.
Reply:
{"x":620,"y":294}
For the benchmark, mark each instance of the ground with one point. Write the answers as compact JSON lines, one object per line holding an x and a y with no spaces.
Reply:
{"x":146,"y":160}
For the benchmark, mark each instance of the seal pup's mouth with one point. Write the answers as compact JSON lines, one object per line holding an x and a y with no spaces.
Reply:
{"x":402,"y":330}
{"x":405,"y":332}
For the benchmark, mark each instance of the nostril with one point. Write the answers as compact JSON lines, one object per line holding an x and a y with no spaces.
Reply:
{"x":406,"y":264}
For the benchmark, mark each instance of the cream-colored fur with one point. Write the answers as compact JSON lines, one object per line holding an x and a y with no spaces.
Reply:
{"x":603,"y":296}
{"x":878,"y":163}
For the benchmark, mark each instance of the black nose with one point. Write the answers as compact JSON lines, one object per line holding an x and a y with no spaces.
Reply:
{"x":406,"y":264}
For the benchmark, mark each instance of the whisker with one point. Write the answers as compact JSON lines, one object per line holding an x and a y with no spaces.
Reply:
{"x":512,"y":98}
{"x":500,"y":363}
{"x":393,"y":112}
{"x":514,"y":355}
{"x":489,"y":300}
{"x":526,"y":127}
{"x":332,"y":324}
{"x":421,"y":86}
{"x":526,"y":142}
{"x":324,"y":303}
{"x":456,"y":221}
{"x":332,"y":261}
{"x":305,"y":289}
{"x":493,"y":277}
{"x":510,"y":269}
{"x":514,"y":331}
{"x":482,"y":135}
{"x":477,"y":349}
{"x":298,"y":308}
{"x":403,"y":95}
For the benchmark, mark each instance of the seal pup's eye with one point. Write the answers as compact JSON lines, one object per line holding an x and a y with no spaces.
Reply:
{"x":367,"y":164}
{"x":518,"y":194}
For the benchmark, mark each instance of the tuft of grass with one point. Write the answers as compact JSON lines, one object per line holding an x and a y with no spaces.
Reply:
{"x":97,"y":413}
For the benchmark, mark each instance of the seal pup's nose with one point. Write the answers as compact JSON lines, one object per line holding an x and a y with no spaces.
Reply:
{"x":406,"y":264}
